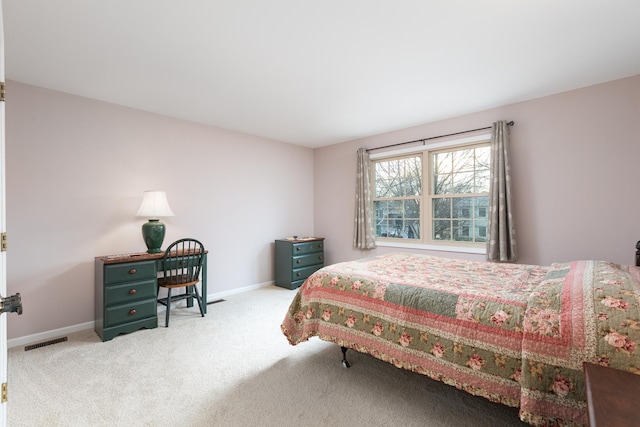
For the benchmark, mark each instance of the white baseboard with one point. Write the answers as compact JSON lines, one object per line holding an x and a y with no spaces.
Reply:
{"x":47,"y":335}
{"x":220,"y":295}
{"x":56,"y":333}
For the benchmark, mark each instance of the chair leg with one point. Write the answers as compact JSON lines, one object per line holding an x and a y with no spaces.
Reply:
{"x":199,"y":299}
{"x":166,"y":319}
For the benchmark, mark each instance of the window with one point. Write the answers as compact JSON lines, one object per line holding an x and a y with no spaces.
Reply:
{"x":452,"y":210}
{"x":397,"y":197}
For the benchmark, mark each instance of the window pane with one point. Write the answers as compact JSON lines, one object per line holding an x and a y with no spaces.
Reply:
{"x":462,"y":231}
{"x":382,"y":188}
{"x":398,"y":177}
{"x":387,"y":178}
{"x":480,"y":231}
{"x":380,"y":209}
{"x":483,"y":157}
{"x":383,"y":178}
{"x":443,"y":184}
{"x":413,"y":229}
{"x":462,"y":207}
{"x":441,"y":208}
{"x":397,"y":218}
{"x":395,"y":208}
{"x":463,"y":182}
{"x":412,"y":176}
{"x":395,"y":188}
{"x":442,"y":163}
{"x":412,"y":208}
{"x":482,"y":181}
{"x":463,"y":160}
{"x":481,"y":207}
{"x":412,"y":186}
{"x":441,"y":230}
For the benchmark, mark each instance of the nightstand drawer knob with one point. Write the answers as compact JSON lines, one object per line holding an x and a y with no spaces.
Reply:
{"x":298,"y":274}
{"x":133,"y":271}
{"x":298,"y":248}
{"x":132,"y":313}
{"x":320,"y":257}
{"x":298,"y":261}
{"x":132,"y":292}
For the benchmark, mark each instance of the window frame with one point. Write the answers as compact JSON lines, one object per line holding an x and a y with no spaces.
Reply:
{"x":426,"y":196}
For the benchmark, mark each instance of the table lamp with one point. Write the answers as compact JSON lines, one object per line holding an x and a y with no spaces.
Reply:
{"x":154,"y":205}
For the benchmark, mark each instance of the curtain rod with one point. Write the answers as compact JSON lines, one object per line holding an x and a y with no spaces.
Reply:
{"x":511,"y":123}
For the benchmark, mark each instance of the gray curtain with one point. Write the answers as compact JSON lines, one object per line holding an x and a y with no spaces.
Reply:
{"x":501,"y":244}
{"x":363,"y":232}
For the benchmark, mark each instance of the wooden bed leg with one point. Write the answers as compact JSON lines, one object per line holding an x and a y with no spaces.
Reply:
{"x":345,"y":363}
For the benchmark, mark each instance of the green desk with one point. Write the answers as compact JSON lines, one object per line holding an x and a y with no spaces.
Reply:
{"x":126,"y":292}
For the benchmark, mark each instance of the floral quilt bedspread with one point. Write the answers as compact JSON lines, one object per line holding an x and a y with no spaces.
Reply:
{"x":514,"y":334}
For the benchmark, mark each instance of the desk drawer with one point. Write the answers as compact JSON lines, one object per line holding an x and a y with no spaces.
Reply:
{"x":129,"y":312}
{"x":129,"y":292}
{"x":172,"y":264}
{"x":129,"y":271}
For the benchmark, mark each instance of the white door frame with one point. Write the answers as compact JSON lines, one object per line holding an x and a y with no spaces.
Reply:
{"x":3,"y":228}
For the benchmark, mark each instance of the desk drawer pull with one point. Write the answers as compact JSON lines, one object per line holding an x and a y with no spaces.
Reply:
{"x":132,"y":292}
{"x":132,"y":312}
{"x":133,"y":271}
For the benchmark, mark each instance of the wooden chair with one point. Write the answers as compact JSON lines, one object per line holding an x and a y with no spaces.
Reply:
{"x":181,"y":267}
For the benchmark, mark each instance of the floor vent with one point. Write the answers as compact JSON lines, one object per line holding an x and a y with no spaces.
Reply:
{"x":46,"y":343}
{"x":214,"y":302}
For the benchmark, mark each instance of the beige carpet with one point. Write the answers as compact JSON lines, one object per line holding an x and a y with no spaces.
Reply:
{"x":232,"y":368}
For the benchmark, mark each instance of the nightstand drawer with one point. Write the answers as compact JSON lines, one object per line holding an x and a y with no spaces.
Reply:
{"x":129,"y":272}
{"x":130,"y":292}
{"x":129,"y":312}
{"x":307,"y":248}
{"x":306,"y":260}
{"x":303,"y":273}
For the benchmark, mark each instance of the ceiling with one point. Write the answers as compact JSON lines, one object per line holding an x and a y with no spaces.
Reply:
{"x":315,"y":73}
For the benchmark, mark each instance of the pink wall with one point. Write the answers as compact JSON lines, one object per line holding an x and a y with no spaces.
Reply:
{"x":76,"y":170}
{"x":575,"y":158}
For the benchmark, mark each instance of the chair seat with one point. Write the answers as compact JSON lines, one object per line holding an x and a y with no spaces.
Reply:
{"x":175,"y":282}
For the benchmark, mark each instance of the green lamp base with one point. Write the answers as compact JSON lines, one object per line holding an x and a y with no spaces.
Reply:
{"x":153,"y":235}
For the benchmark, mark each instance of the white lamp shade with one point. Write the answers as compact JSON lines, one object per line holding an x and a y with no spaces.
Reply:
{"x":154,"y":205}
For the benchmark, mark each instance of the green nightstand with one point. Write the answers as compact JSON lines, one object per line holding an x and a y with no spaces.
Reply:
{"x":297,"y":259}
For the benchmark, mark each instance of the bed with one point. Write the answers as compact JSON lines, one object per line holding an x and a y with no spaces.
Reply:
{"x":514,"y":334}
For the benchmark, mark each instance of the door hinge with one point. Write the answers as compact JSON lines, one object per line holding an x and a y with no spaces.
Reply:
{"x":3,"y":245}
{"x":4,"y":393}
